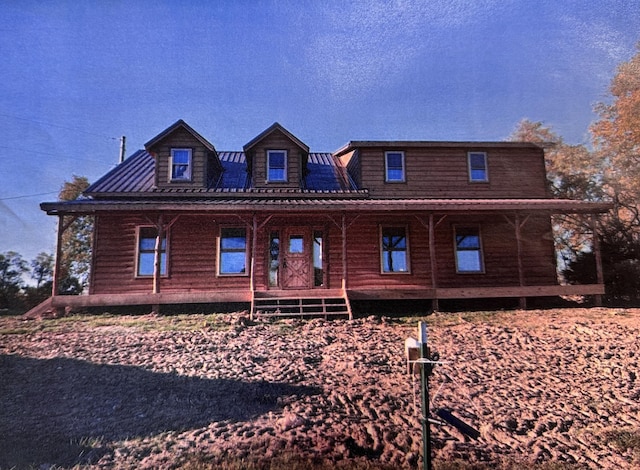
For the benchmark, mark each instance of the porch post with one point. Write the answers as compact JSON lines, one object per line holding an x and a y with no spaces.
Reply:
{"x":254,"y":247}
{"x":598,"y":256}
{"x":344,"y":253}
{"x":523,"y":300}
{"x":434,"y":268}
{"x":55,"y":284}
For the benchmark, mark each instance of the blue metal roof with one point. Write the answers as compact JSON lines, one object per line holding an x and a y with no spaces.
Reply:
{"x":136,"y":175}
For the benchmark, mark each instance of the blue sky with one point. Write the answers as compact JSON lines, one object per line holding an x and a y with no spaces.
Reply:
{"x":78,"y":75}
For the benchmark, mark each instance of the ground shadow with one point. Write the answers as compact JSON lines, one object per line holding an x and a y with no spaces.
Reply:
{"x":53,"y":410}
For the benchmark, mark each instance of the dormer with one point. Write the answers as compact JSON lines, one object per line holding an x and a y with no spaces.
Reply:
{"x":276,"y":159}
{"x":184,"y":159}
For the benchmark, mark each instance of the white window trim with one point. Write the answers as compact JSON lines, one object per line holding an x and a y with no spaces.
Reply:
{"x":189,"y":175}
{"x":246,"y":252}
{"x":481,"y":248}
{"x":286,"y":166}
{"x":386,"y":167}
{"x":486,"y":167}
{"x":408,"y":250}
{"x":137,"y":260}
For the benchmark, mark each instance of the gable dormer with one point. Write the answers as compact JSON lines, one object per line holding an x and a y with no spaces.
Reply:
{"x":184,"y":159}
{"x":276,"y":159}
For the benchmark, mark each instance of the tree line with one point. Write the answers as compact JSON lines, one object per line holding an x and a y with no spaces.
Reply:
{"x":17,"y":294}
{"x":607,"y":169}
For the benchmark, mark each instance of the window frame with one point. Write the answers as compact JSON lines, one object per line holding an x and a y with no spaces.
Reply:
{"x":137,"y":274}
{"x":285,"y":169}
{"x":485,"y":168}
{"x":189,"y":171}
{"x":386,"y":167}
{"x":221,"y":251}
{"x":479,"y":250}
{"x":407,"y":250}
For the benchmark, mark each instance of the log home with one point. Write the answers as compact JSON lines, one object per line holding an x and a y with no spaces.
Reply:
{"x":288,"y":230}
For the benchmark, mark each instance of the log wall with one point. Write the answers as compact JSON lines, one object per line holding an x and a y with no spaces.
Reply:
{"x":443,"y":173}
{"x":276,"y":141}
{"x":181,"y":139}
{"x":192,"y":248}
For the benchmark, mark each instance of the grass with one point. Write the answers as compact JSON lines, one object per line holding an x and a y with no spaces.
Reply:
{"x":624,"y":440}
{"x":15,"y":325}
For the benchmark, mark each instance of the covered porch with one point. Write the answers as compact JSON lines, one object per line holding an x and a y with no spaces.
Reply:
{"x":340,"y":220}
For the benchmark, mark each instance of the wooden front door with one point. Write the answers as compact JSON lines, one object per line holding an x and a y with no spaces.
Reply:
{"x":296,"y":258}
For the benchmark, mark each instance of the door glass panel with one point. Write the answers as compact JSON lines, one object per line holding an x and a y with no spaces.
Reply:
{"x":296,"y":244}
{"x":318,"y":273}
{"x":274,"y":259}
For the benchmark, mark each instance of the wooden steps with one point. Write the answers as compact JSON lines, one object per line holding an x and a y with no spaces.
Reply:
{"x":297,"y":306}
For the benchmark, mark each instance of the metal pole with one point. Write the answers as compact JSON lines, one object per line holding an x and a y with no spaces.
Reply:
{"x":425,"y":370}
{"x":123,"y":147}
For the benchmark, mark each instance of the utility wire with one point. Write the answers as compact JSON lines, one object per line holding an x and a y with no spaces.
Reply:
{"x":27,"y":195}
{"x":57,"y":155}
{"x":58,"y":126}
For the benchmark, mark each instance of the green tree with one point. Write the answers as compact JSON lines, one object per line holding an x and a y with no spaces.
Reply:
{"x":42,"y":268}
{"x":76,"y":242}
{"x":12,"y":267}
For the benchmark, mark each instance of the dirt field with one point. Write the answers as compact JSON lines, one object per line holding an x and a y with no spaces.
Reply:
{"x":556,"y":386}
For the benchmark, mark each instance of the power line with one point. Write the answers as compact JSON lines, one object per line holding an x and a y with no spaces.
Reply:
{"x":27,"y":195}
{"x":44,"y":123}
{"x":56,"y":155}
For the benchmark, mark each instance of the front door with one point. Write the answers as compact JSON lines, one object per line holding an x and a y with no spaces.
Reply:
{"x":296,"y":258}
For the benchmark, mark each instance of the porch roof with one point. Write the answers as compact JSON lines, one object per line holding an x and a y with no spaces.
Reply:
{"x":271,"y":203}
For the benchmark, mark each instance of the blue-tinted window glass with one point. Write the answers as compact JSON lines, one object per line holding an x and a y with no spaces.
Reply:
{"x":469,"y":261}
{"x":180,"y":164}
{"x":233,"y":255}
{"x":468,"y":241}
{"x":468,"y":250}
{"x":318,"y":271}
{"x":394,"y":250}
{"x":395,"y":261}
{"x":478,"y":166}
{"x":395,"y":166}
{"x":233,"y":263}
{"x":296,"y":244}
{"x":146,"y":252}
{"x":277,"y":165}
{"x":274,"y":259}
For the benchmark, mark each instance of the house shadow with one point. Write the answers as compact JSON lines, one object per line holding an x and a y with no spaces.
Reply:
{"x":55,"y":411}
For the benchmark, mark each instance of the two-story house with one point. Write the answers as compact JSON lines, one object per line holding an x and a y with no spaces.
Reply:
{"x":294,"y":231}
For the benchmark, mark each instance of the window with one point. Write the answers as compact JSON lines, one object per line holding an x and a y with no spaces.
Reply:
{"x":180,"y":164}
{"x":233,"y":251}
{"x":394,"y":167}
{"x":277,"y":165}
{"x":478,"y":166}
{"x":318,"y":247}
{"x":274,"y":259}
{"x":146,"y":252}
{"x":468,"y":250}
{"x":395,"y":250}
{"x":296,"y":244}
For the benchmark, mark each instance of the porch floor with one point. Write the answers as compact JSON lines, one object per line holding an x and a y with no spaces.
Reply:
{"x":307,"y":302}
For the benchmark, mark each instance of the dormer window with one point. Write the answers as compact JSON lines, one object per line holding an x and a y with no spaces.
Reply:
{"x":394,"y":167}
{"x":180,"y":164}
{"x":276,"y":166}
{"x":478,"y":167}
